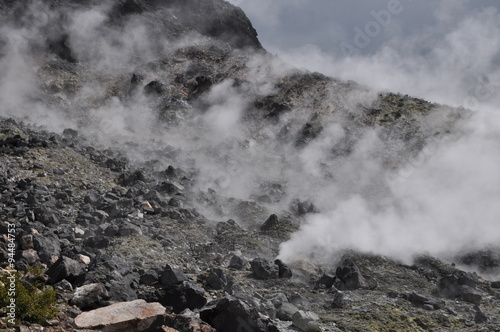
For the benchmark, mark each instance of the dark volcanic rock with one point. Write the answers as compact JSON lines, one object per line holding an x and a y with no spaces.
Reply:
{"x":183,"y":296}
{"x":237,"y":262}
{"x":461,"y":286}
{"x":218,"y":279}
{"x":155,"y":88}
{"x":264,"y":269}
{"x":306,"y":321}
{"x":47,"y":246}
{"x":469,"y":294}
{"x":172,"y":276}
{"x":66,"y":268}
{"x":225,"y":21}
{"x":187,"y":321}
{"x":229,"y":314}
{"x":286,"y":311}
{"x":270,"y":223}
{"x":283,"y":270}
{"x":90,"y":296}
{"x":326,"y":281}
{"x":421,"y":300}
{"x":479,"y":316}
{"x":349,"y":277}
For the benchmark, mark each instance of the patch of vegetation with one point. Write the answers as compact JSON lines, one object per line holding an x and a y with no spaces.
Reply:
{"x":35,"y":303}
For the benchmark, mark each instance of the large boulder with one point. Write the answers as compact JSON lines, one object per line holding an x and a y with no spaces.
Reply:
{"x":136,"y":316}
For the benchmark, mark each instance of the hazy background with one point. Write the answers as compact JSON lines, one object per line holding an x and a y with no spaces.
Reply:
{"x":443,"y":50}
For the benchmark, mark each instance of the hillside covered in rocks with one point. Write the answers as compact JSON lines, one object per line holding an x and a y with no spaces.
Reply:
{"x":162,"y":172}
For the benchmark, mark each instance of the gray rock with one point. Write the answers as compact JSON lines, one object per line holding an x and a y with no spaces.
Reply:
{"x":495,"y":284}
{"x":27,"y":242}
{"x":471,"y":295}
{"x":90,"y":296}
{"x":263,"y":269}
{"x":183,"y":296}
{"x":237,"y":262}
{"x":349,"y":277}
{"x":286,"y":311}
{"x":283,"y":270}
{"x":187,"y":321}
{"x":127,"y":229}
{"x":66,"y":268}
{"x":229,"y":315}
{"x":422,"y":301}
{"x":149,"y":277}
{"x":449,"y":285}
{"x":459,"y":286}
{"x":267,"y":308}
{"x":30,"y":256}
{"x":339,"y":299}
{"x":479,"y":316}
{"x":172,"y":276}
{"x":306,"y":321}
{"x":326,"y":281}
{"x":270,"y":223}
{"x":47,"y":247}
{"x":278,"y":299}
{"x":218,"y":279}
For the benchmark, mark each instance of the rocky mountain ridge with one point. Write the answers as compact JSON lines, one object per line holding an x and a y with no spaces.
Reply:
{"x":137,"y":187}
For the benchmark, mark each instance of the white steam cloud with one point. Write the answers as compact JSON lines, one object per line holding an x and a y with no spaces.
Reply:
{"x":446,"y":200}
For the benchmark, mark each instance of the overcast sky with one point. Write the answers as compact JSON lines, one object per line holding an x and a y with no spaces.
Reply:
{"x":443,"y":50}
{"x":286,"y":24}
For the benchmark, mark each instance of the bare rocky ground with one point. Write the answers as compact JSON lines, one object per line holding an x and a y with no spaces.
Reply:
{"x":113,"y":216}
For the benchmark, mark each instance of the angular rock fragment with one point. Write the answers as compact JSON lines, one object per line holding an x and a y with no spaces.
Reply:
{"x":136,"y":316}
{"x":422,"y":301}
{"x":183,"y":296}
{"x":186,"y":321}
{"x":90,"y":296}
{"x":459,"y":286}
{"x":66,"y":268}
{"x":229,"y":315}
{"x":218,"y":279}
{"x":237,"y":262}
{"x":283,"y":270}
{"x":339,"y":299}
{"x":471,"y":295}
{"x":270,"y":223}
{"x":263,"y":269}
{"x":286,"y":311}
{"x":326,"y":281}
{"x":479,"y":316}
{"x":349,"y":277}
{"x":172,"y":276}
{"x":306,"y":321}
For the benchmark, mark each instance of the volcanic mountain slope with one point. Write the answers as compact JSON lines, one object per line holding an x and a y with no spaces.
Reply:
{"x":153,"y":150}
